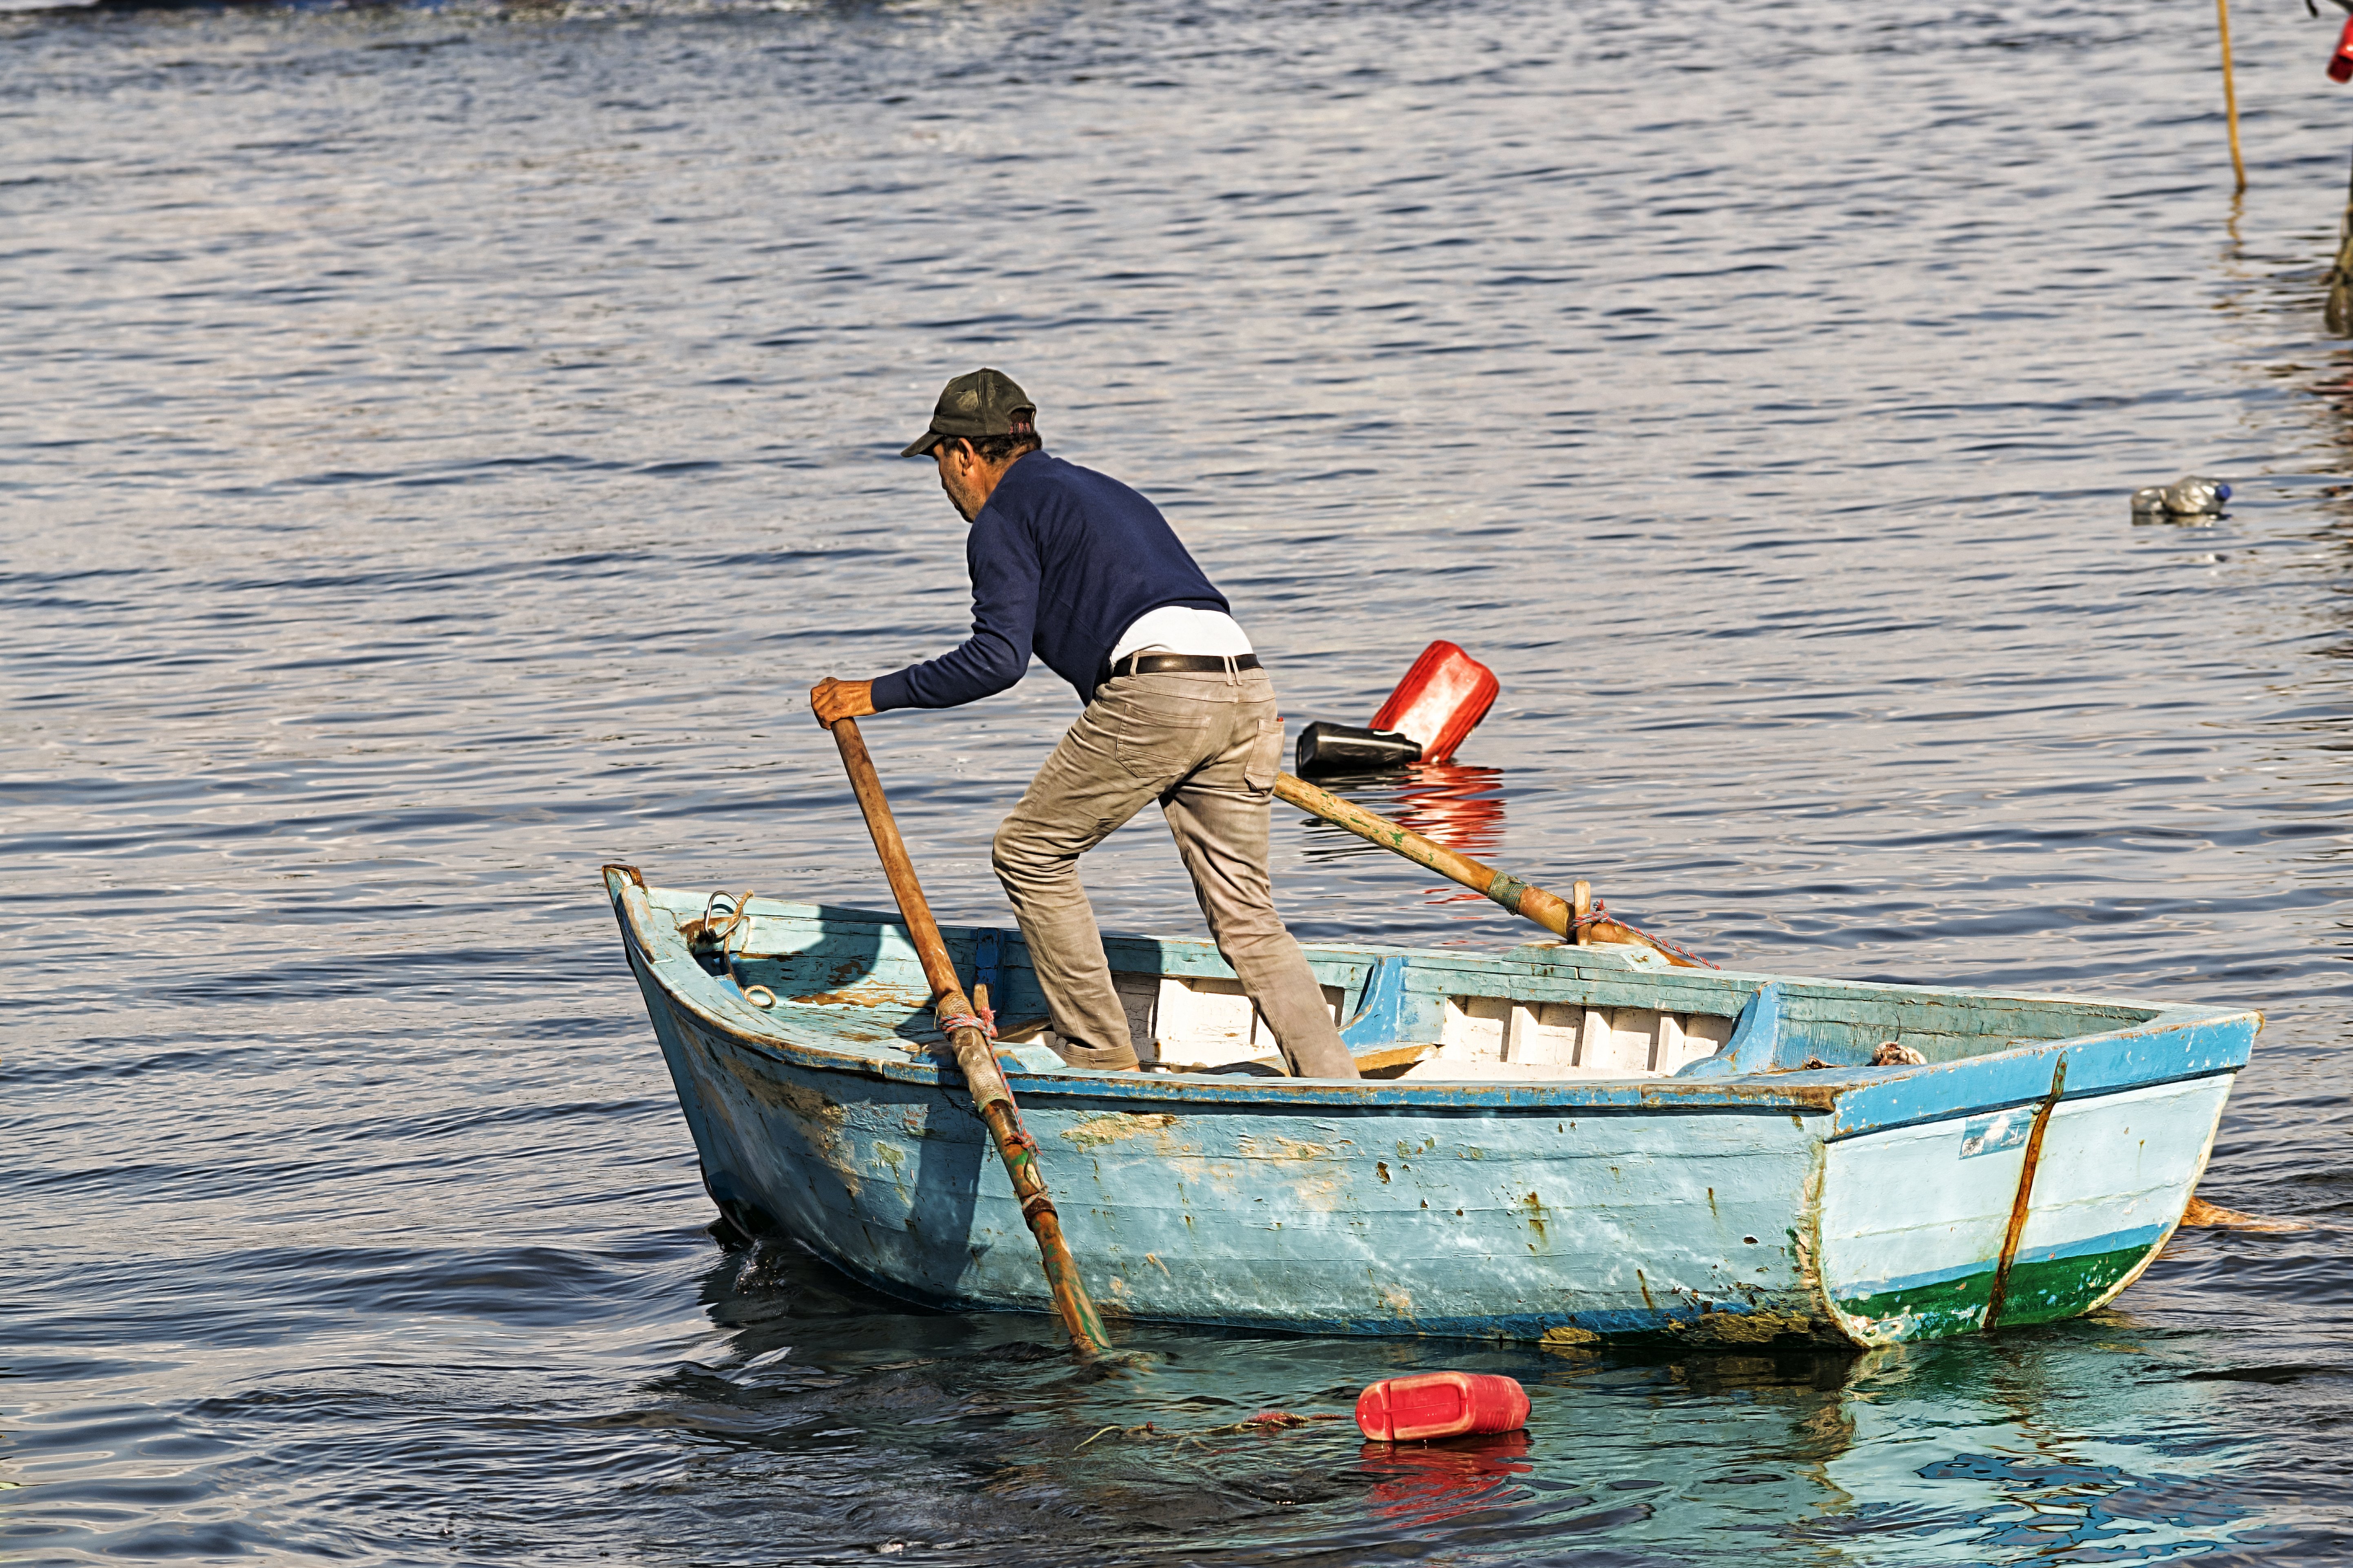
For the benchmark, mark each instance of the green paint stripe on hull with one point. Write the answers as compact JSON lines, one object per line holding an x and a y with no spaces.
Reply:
{"x":2042,"y":1292}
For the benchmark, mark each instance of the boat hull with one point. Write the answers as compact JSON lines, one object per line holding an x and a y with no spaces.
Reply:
{"x":1734,"y":1211}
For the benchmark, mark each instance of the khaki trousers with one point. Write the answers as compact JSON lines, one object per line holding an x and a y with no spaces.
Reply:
{"x":1206,"y":747}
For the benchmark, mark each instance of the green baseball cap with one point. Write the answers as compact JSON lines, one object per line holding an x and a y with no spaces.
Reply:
{"x":984,"y":402}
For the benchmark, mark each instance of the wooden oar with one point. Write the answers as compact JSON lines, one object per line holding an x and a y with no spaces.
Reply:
{"x":974,"y":1053}
{"x":1548,"y":910}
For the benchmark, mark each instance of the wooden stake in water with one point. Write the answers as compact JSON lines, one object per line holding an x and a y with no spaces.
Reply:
{"x":2339,"y":310}
{"x":2230,"y":94}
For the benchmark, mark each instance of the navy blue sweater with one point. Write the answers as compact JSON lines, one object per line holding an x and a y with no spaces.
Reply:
{"x":1062,"y":560}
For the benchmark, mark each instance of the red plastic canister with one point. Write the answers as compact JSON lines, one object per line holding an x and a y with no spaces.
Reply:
{"x":1440,"y":1404}
{"x":2340,"y":64}
{"x":1440,"y":702}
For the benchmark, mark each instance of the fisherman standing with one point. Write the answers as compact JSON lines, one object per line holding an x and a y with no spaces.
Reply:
{"x":1077,"y":568}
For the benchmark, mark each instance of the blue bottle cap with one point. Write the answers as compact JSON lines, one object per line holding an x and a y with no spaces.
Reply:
{"x":2222,"y":492}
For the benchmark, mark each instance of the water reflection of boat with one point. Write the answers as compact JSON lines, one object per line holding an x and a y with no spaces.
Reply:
{"x":1565,"y":1143}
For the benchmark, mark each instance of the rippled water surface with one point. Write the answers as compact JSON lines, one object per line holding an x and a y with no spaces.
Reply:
{"x":441,"y":445}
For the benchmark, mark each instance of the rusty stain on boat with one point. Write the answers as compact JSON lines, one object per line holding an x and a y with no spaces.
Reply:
{"x":875,"y":996}
{"x":1752,"y":1328}
{"x":1273,"y":1147}
{"x":1112,"y":1126}
{"x":775,"y":1091}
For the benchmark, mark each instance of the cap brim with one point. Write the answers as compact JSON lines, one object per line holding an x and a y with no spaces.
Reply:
{"x":921,"y":446}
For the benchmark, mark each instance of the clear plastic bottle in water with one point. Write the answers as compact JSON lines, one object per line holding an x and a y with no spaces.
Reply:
{"x":2193,"y":495}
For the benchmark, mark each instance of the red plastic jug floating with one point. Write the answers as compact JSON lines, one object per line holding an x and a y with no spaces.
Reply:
{"x":1440,"y":1404}
{"x":2340,"y":64}
{"x":1440,"y":702}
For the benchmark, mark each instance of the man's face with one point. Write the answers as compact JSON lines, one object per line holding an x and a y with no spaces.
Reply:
{"x":960,"y":474}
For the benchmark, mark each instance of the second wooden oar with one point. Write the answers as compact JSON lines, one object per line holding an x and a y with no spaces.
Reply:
{"x":991,"y":1095}
{"x":1524,"y":898}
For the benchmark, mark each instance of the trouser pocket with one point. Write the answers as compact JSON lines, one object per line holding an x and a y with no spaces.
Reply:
{"x":1156,"y":737}
{"x":1264,"y":759}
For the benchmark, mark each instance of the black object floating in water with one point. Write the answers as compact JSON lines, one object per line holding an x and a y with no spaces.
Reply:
{"x":1346,"y":749}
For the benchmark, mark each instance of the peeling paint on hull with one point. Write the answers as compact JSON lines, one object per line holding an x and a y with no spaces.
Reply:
{"x":1735,"y":1210}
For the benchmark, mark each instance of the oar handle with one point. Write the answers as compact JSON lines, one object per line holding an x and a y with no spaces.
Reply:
{"x":975,"y":1054}
{"x":1524,"y":898}
{"x":913,"y":907}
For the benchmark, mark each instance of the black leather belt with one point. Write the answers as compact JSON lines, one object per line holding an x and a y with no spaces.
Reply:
{"x":1183,"y":663}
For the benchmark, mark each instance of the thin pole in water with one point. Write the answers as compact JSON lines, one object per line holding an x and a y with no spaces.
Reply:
{"x":2231,"y":94}
{"x":2338,"y":311}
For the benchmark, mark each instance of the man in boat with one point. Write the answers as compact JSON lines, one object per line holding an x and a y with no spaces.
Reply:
{"x":1077,"y":568}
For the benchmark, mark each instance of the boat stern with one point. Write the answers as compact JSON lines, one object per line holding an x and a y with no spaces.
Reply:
{"x":2023,"y":1188}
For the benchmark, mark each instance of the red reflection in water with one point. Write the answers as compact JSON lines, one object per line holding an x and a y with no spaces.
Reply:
{"x":1426,"y":1483}
{"x":1459,"y":807}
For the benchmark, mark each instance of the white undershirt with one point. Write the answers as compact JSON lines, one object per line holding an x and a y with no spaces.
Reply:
{"x":1180,"y":628}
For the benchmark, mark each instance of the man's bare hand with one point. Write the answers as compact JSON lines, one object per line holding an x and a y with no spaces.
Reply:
{"x":831,"y":700}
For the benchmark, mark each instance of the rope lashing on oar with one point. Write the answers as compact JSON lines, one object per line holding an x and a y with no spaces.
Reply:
{"x":1601,"y":914}
{"x":1019,"y":1147}
{"x":983,"y":1019}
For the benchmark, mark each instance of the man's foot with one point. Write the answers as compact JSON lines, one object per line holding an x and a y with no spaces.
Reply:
{"x":1095,"y":1058}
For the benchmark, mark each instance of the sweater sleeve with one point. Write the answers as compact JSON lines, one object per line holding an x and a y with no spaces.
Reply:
{"x":1003,"y":562}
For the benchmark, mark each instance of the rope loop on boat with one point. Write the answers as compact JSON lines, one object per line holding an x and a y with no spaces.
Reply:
{"x":739,"y":914}
{"x":1601,"y":913}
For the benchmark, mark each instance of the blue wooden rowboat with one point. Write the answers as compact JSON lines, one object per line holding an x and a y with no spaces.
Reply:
{"x":1557,"y":1142}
